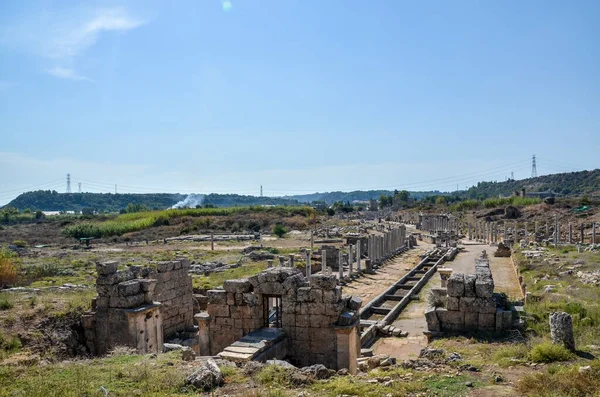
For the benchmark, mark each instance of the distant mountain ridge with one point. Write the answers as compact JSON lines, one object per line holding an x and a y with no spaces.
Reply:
{"x":567,"y":184}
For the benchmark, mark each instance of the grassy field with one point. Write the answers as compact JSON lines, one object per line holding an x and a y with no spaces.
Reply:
{"x":494,"y":202}
{"x":127,"y":223}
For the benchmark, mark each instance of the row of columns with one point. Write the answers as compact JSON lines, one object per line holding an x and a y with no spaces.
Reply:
{"x":489,"y":232}
{"x":438,"y":223}
{"x":383,"y":247}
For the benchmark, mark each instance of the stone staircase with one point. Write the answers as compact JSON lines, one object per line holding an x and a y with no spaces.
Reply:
{"x":259,"y":345}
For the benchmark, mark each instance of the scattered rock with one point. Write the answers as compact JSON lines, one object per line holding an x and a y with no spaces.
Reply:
{"x":431,"y":353}
{"x":206,"y":377}
{"x":318,"y":371}
{"x":454,"y":357}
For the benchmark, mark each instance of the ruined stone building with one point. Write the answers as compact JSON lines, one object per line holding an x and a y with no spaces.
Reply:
{"x":139,"y":307}
{"x":316,"y":323}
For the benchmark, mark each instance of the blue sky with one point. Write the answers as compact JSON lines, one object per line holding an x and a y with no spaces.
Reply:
{"x":299,"y":96}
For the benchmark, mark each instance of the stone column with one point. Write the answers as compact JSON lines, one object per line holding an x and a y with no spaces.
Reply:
{"x":358,"y":253}
{"x":582,"y":233}
{"x":323,"y":261}
{"x":570,"y":233}
{"x":594,"y":233}
{"x":281,"y":260}
{"x":547,"y":232}
{"x":308,"y":268}
{"x":526,"y":229}
{"x":350,"y":260}
{"x":291,"y":260}
{"x":203,"y":321}
{"x":505,"y":233}
{"x":212,"y":241}
{"x":269,"y":262}
{"x":341,"y":265}
{"x":535,"y":229}
{"x":556,"y":231}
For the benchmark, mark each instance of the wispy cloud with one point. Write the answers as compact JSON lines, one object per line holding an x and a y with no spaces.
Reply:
{"x":66,"y":73}
{"x":73,"y":37}
{"x":64,"y":36}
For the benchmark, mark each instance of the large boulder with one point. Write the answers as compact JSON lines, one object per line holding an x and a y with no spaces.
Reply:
{"x":511,"y":212}
{"x":206,"y":377}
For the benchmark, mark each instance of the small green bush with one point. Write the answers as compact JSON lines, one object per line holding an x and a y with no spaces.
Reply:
{"x":20,"y":243}
{"x":279,"y":230}
{"x":548,"y":352}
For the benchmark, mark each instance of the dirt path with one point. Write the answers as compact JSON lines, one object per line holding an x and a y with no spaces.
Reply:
{"x":412,"y":318}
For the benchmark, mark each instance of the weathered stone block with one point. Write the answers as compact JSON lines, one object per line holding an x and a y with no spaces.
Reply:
{"x":484,"y":287}
{"x":485,"y":305}
{"x":456,"y":285}
{"x":470,"y":285}
{"x":131,"y":287}
{"x":250,"y":299}
{"x":217,"y":296}
{"x":238,"y":286}
{"x":471,"y":321}
{"x":315,"y":295}
{"x":452,"y":303}
{"x":467,"y":304}
{"x":148,"y":285}
{"x":106,"y":268}
{"x":218,"y":311}
{"x":130,"y":301}
{"x":323,"y":281}
{"x":303,"y":294}
{"x":431,"y":317}
{"x":164,"y":267}
{"x":561,"y":329}
{"x":354,"y":303}
{"x":451,"y":317}
{"x":487,"y":321}
{"x":302,"y":320}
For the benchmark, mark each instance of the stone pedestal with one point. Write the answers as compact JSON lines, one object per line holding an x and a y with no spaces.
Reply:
{"x":348,"y":347}
{"x":203,"y":322}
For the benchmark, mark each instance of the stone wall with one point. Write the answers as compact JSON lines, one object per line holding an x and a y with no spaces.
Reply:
{"x":470,"y":304}
{"x":174,"y":292}
{"x":139,"y":307}
{"x":321,"y":326}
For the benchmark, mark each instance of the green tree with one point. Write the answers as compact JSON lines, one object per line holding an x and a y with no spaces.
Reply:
{"x":279,"y":230}
{"x":440,"y":200}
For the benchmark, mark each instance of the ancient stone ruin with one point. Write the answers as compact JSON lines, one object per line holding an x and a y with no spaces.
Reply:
{"x":468,"y":303}
{"x":561,"y":330}
{"x":139,"y":307}
{"x":306,"y":320}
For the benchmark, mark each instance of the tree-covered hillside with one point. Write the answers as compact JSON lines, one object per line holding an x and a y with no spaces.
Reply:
{"x":47,"y":200}
{"x":51,"y":200}
{"x":567,"y":184}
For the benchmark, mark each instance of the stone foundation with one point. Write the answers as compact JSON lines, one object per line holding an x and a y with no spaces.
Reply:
{"x":470,"y":304}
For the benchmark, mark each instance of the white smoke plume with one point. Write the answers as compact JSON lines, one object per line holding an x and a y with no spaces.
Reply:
{"x":191,"y":201}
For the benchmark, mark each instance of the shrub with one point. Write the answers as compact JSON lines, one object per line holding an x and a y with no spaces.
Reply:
{"x":279,"y":230}
{"x":9,"y":266}
{"x":6,"y":301}
{"x":20,"y":243}
{"x":547,"y":352}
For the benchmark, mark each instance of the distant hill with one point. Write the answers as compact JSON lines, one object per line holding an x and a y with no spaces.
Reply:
{"x":357,"y":195}
{"x":50,"y":200}
{"x":567,"y":184}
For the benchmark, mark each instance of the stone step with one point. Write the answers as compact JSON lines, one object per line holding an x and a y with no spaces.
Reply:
{"x":381,"y":310}
{"x":393,"y":297}
{"x":237,"y":357}
{"x":242,"y":350}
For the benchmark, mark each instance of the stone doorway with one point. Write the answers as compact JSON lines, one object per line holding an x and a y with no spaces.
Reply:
{"x":273,"y":311}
